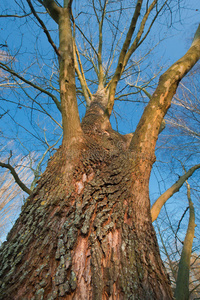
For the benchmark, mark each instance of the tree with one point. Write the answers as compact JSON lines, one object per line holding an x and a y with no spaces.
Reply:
{"x":182,"y":283}
{"x":86,"y":230}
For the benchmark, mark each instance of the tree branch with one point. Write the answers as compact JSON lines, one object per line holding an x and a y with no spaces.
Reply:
{"x":87,"y":40}
{"x":147,"y":131}
{"x":80,"y":73}
{"x":14,"y":16}
{"x":156,"y":207}
{"x":16,"y":177}
{"x":101,"y":73}
{"x":117,"y":75}
{"x":137,"y":40}
{"x":170,"y":261}
{"x":53,"y":9}
{"x":43,"y":109}
{"x":43,"y":27}
{"x":70,"y":114}
{"x":68,"y":3}
{"x":6,"y":68}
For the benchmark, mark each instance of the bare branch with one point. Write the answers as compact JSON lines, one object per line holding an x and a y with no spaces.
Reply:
{"x":16,"y":177}
{"x":80,"y":72}
{"x":68,"y":3}
{"x":156,"y":207}
{"x":87,"y":40}
{"x":6,"y":68}
{"x":137,"y":40}
{"x":43,"y":27}
{"x":14,"y":16}
{"x":43,"y":109}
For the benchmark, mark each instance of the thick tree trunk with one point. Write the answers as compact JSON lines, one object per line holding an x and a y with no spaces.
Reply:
{"x":86,"y":231}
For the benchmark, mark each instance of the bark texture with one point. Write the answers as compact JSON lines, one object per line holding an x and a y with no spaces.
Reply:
{"x":86,"y":231}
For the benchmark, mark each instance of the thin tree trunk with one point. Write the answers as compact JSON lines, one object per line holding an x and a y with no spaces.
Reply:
{"x":182,"y":282}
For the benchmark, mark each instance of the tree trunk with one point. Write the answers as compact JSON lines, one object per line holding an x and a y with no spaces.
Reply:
{"x":182,"y":291}
{"x":86,"y":231}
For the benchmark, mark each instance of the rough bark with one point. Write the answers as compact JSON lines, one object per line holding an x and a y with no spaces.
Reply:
{"x":86,"y":231}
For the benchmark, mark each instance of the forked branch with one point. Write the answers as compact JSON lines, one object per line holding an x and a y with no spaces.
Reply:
{"x":138,"y":41}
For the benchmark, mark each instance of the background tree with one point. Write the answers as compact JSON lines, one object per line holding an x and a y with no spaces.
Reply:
{"x":176,"y":248}
{"x":86,"y":230}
